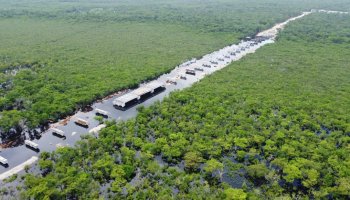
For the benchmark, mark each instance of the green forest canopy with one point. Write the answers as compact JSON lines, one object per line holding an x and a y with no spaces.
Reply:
{"x":73,"y":52}
{"x":277,"y":118}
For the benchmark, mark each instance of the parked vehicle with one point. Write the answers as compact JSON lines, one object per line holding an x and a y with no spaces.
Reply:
{"x":81,"y":122}
{"x":31,"y":144}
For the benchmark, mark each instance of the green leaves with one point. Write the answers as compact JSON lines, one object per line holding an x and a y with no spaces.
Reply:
{"x":213,"y":166}
{"x":278,"y":118}
{"x":192,"y":160}
{"x":235,"y":194}
{"x":292,"y":173}
{"x":311,"y":178}
{"x":258,"y":171}
{"x":84,"y":61}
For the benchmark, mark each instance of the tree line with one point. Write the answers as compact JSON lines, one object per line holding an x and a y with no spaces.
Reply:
{"x":278,"y":119}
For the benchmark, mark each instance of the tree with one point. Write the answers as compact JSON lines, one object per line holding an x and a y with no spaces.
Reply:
{"x":311,"y":178}
{"x":213,"y":166}
{"x":45,"y":165}
{"x":291,"y":172}
{"x":343,"y":187}
{"x":192,"y":160}
{"x":241,"y":142}
{"x":235,"y":194}
{"x":103,"y":167}
{"x":119,"y":178}
{"x":257,"y":171}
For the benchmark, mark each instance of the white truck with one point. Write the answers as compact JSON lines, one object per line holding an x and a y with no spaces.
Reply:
{"x":58,"y":132}
{"x":101,"y":112}
{"x":31,"y":144}
{"x":3,"y":160}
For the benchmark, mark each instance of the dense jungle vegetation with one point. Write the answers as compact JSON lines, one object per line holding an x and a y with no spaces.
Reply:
{"x":274,"y":125}
{"x":69,"y":53}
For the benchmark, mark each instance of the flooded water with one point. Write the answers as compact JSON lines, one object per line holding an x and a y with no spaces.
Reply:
{"x":177,"y":79}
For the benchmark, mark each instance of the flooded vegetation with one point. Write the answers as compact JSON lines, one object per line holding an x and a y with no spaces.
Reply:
{"x":86,"y":121}
{"x":93,"y":49}
{"x":273,"y":124}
